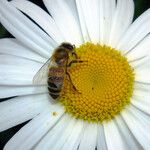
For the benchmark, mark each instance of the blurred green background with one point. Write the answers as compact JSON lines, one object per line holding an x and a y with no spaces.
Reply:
{"x":140,"y":7}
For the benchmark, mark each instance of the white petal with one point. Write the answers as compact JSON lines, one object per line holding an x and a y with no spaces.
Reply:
{"x":140,"y":88}
{"x":17,"y":71}
{"x":50,"y":139}
{"x":141,"y":101}
{"x":140,"y":62}
{"x":139,"y":125}
{"x":136,"y":32}
{"x":140,"y":50}
{"x":11,"y":75}
{"x":75,"y":135}
{"x":21,"y":109}
{"x":90,"y":11}
{"x":78,"y":141}
{"x":24,"y":29}
{"x":18,"y":61}
{"x":107,"y":9}
{"x":141,"y":68}
{"x":141,"y":97}
{"x":64,"y":136}
{"x":12,"y":46}
{"x":121,"y":20}
{"x":11,"y":91}
{"x":142,"y":75}
{"x":65,"y":20}
{"x":113,"y":136}
{"x":43,"y":19}
{"x":101,"y":141}
{"x":126,"y":134}
{"x":89,"y":139}
{"x":84,"y":30}
{"x":32,"y":133}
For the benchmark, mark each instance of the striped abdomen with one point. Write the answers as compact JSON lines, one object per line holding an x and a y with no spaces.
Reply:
{"x":55,"y":81}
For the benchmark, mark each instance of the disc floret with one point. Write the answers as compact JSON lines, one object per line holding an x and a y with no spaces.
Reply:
{"x":104,"y":84}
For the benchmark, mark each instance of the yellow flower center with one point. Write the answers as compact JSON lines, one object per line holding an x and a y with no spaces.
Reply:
{"x":104,"y":84}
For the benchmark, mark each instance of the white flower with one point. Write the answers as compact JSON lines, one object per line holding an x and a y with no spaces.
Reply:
{"x":75,"y":21}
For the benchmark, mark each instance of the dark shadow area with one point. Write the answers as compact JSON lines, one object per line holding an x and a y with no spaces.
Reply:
{"x":6,"y":135}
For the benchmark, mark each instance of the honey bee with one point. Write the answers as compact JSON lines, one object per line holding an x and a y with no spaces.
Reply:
{"x":54,"y":70}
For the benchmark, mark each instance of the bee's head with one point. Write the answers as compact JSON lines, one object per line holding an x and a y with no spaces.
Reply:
{"x":68,"y":46}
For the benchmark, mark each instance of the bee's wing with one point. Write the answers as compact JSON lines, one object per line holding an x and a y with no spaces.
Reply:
{"x":41,"y":76}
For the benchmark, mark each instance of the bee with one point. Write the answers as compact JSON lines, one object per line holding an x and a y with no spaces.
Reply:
{"x":55,"y":69}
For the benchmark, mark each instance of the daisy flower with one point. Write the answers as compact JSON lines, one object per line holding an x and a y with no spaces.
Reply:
{"x":110,"y":108}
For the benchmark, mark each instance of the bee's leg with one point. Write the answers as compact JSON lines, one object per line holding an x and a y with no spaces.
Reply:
{"x":74,"y":61}
{"x":71,"y":81}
